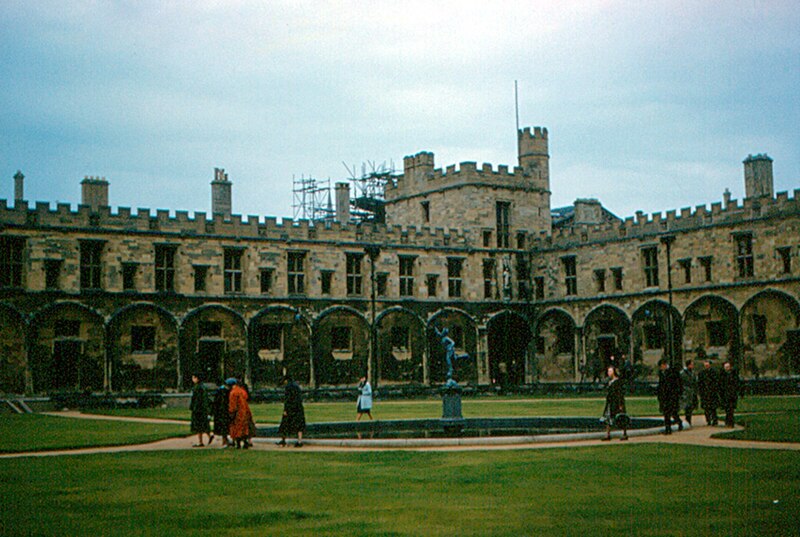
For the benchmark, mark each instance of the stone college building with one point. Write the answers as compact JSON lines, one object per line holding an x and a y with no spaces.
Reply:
{"x":99,"y":299}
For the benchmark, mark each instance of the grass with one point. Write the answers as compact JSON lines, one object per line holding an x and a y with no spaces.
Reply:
{"x":647,"y":490}
{"x":778,"y":427}
{"x":37,"y":432}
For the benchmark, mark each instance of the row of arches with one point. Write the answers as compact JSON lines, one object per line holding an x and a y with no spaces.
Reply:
{"x":761,"y":338}
{"x":143,"y":346}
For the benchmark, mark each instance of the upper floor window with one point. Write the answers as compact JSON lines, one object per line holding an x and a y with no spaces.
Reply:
{"x":407,"y":275}
{"x":165,"y":267}
{"x":686,"y":267}
{"x":570,"y":274}
{"x":488,"y":277}
{"x":354,"y":277}
{"x":233,"y":270}
{"x":432,"y":282}
{"x":266,"y":280}
{"x":426,"y":211}
{"x":600,"y":280}
{"x":616,"y":273}
{"x":454,"y":269}
{"x":785,"y":254}
{"x":487,"y":238}
{"x":91,"y":264}
{"x":523,"y":277}
{"x":705,"y":262}
{"x":744,"y":254}
{"x":52,"y":273}
{"x":650,"y":263}
{"x":129,"y":276}
{"x":538,"y":283}
{"x":326,"y":281}
{"x":296,"y":273}
{"x":521,"y":240}
{"x":381,"y":283}
{"x":11,"y":249}
{"x":503,"y":209}
{"x":200,"y":276}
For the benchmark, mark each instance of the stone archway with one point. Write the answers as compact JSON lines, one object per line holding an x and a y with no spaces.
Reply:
{"x":462,"y":330}
{"x":67,"y":349}
{"x":213,"y":343}
{"x":711,"y":330}
{"x":607,"y":333}
{"x":650,"y":328}
{"x":280,"y":342}
{"x":341,"y":347}
{"x":509,"y":337}
{"x":143,"y":348}
{"x":770,"y":336}
{"x":555,"y":346}
{"x":401,"y":347}
{"x":13,"y":358}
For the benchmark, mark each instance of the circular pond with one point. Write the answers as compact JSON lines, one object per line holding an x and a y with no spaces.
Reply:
{"x":470,"y":431}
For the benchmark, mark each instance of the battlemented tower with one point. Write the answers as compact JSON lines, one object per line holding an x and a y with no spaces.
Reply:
{"x":534,"y":159}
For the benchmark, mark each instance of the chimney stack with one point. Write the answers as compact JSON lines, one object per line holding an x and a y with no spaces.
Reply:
{"x":343,"y":202}
{"x":221,"y":193}
{"x":19,"y":187}
{"x":758,"y":176}
{"x":94,"y":192}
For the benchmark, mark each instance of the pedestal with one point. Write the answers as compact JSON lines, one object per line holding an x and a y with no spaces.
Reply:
{"x":452,"y":420}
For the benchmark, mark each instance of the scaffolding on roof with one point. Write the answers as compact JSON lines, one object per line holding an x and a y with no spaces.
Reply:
{"x":367,"y":193}
{"x":311,"y":199}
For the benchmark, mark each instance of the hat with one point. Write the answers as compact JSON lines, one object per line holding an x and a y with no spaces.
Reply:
{"x":230,"y":382}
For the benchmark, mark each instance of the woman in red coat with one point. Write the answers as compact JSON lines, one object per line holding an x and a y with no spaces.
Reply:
{"x":240,"y":416}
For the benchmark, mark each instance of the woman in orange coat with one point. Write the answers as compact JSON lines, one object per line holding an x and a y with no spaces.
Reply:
{"x":240,"y":416}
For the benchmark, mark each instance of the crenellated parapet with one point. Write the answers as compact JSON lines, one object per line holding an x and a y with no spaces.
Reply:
{"x":730,"y":213}
{"x":180,"y":225}
{"x":421,"y":178}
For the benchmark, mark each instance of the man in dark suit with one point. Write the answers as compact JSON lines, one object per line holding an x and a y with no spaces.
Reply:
{"x":669,"y":395}
{"x":708,"y":389}
{"x":729,"y":391}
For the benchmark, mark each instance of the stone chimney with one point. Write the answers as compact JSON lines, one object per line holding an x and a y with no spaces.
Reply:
{"x":221,"y":193}
{"x":588,"y":212}
{"x":343,"y":202}
{"x":758,"y":176}
{"x":19,"y":187}
{"x":94,"y":192}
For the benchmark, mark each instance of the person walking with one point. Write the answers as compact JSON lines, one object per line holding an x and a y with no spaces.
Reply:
{"x":614,"y":412}
{"x":364,"y":405}
{"x":239,"y":410}
{"x":222,"y":418}
{"x":293,"y":420}
{"x":669,"y":395}
{"x":708,"y":390}
{"x":729,"y":391}
{"x":199,"y":409}
{"x":689,"y":395}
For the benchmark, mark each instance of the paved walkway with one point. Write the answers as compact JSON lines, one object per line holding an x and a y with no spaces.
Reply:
{"x":700,"y":435}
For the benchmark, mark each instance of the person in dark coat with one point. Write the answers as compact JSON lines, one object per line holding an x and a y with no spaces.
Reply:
{"x":708,"y":390}
{"x":729,"y":391}
{"x":199,"y":408}
{"x":689,"y":395}
{"x":222,"y":418}
{"x":614,"y":412}
{"x":669,"y":395}
{"x":294,"y":417}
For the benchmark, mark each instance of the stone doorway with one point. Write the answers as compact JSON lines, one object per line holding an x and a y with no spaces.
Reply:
{"x":67,"y":364}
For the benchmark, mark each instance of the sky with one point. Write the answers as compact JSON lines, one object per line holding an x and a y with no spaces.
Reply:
{"x":650,"y":105}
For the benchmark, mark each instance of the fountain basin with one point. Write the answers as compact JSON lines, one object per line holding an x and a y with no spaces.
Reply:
{"x":471,"y":431}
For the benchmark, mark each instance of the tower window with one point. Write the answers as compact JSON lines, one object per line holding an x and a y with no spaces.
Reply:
{"x":503,"y":210}
{"x":570,"y":275}
{"x":426,"y":211}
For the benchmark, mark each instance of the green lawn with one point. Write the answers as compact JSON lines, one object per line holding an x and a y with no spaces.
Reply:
{"x":618,"y":489}
{"x":778,"y":427}
{"x":35,"y":432}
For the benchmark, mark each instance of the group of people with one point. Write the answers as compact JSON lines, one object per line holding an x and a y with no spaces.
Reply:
{"x":681,"y":390}
{"x":677,"y":390}
{"x":230,"y":409}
